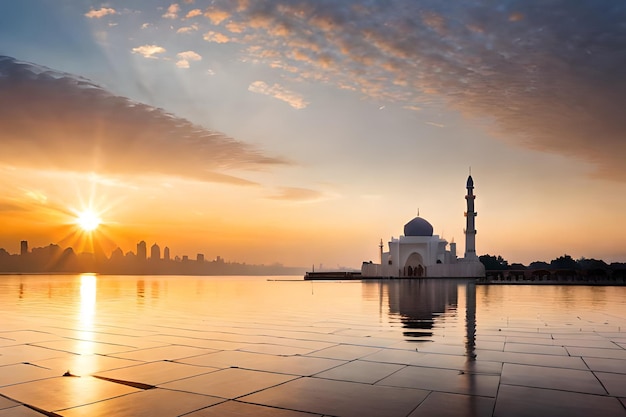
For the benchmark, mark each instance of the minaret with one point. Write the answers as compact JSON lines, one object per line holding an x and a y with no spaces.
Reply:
{"x":470,"y":229}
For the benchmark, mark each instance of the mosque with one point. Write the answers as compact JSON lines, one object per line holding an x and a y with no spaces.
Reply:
{"x":420,"y":254}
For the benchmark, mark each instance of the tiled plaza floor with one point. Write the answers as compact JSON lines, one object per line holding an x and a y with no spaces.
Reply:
{"x":262,"y":366}
{"x":538,"y":373}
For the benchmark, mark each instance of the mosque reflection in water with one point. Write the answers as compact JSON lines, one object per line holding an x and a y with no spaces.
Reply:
{"x":433,"y":309}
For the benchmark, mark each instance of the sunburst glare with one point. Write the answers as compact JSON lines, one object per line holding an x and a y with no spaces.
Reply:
{"x":88,"y":220}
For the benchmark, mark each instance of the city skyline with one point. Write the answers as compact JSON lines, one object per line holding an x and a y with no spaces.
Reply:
{"x":303,"y":133}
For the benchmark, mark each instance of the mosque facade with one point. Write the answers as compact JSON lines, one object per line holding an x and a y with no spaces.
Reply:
{"x":420,"y":254}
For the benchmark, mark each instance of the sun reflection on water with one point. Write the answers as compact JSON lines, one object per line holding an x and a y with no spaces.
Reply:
{"x":87,"y":313}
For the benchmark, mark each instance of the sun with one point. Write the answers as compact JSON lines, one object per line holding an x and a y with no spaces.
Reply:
{"x":88,"y":220}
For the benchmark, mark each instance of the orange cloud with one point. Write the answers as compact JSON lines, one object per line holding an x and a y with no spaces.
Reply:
{"x":148,"y":51}
{"x":187,"y":29}
{"x":97,"y":14}
{"x":216,"y":16}
{"x":278,"y":92}
{"x":193,"y":13}
{"x":185,"y":57}
{"x":172,"y":11}
{"x":216,"y":37}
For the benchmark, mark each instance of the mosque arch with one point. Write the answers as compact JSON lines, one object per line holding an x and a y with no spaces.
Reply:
{"x":414,"y":266}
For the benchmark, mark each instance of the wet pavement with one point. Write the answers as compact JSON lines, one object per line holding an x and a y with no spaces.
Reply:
{"x":476,"y":351}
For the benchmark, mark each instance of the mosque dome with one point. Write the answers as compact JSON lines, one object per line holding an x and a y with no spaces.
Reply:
{"x":418,"y":227}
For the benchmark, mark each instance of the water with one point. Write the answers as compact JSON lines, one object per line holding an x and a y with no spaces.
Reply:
{"x":423,"y":344}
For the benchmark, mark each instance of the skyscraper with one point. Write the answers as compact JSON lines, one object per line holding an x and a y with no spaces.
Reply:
{"x":141,"y":251}
{"x":23,"y":247}
{"x":155,"y":252}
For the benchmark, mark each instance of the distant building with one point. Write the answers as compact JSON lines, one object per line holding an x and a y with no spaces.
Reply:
{"x":142,"y":250}
{"x":166,"y":253}
{"x":117,"y":254}
{"x":200,"y":257}
{"x":420,"y":254}
{"x":155,"y":252}
{"x":23,"y":247}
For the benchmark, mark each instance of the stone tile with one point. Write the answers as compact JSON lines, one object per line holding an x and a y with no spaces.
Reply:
{"x":239,"y":409}
{"x":155,"y":373}
{"x":123,"y":340}
{"x":552,"y":378}
{"x":515,"y":401}
{"x":294,"y":365}
{"x":272,"y":349}
{"x":26,"y":353}
{"x":461,"y":363}
{"x":531,"y":340}
{"x":344,"y":352}
{"x":22,"y":372}
{"x":84,"y":347}
{"x":490,"y":345}
{"x":538,"y":349}
{"x":617,"y":366}
{"x":615,"y":384}
{"x":64,"y":392}
{"x":83,"y":365}
{"x":361,"y":371}
{"x":229,"y":383}
{"x":153,"y":402}
{"x":340,"y":398}
{"x":28,"y":336}
{"x":554,"y":361}
{"x":19,"y":411}
{"x":457,"y":350}
{"x":212,"y":344}
{"x":602,"y":344}
{"x":7,"y":403}
{"x":445,"y":380}
{"x":441,"y":404}
{"x":598,"y":353}
{"x":397,"y":356}
{"x":7,"y":342}
{"x":165,"y":353}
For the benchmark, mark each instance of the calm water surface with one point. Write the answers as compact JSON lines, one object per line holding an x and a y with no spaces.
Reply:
{"x":411,"y":311}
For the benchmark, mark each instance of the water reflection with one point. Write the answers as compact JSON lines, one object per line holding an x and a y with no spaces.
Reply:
{"x":470,"y":321}
{"x":87,"y":301}
{"x":418,"y":303}
{"x":86,"y":313}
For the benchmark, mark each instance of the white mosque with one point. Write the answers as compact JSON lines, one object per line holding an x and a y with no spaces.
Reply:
{"x":420,"y":254}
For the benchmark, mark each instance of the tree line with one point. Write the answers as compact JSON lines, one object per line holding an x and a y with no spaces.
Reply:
{"x":564,"y":262}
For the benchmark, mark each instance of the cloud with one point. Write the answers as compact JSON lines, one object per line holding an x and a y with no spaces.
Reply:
{"x":187,"y":29}
{"x":148,"y":51}
{"x":216,"y":37}
{"x":278,"y":92}
{"x":193,"y":13}
{"x":296,"y":194}
{"x":97,"y":14}
{"x":52,"y":120}
{"x":185,"y":57}
{"x":548,"y":74}
{"x":172,"y":11}
{"x":216,"y":16}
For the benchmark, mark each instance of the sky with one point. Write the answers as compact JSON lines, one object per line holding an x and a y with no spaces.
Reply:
{"x":305,"y":131}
